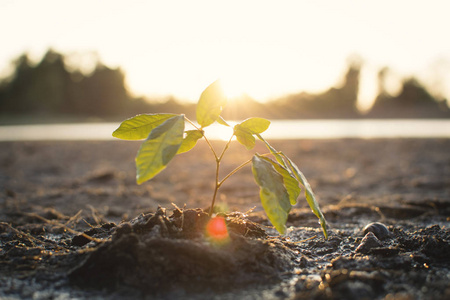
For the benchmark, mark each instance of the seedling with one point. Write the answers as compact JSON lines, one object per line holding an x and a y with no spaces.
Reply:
{"x":165,"y":136}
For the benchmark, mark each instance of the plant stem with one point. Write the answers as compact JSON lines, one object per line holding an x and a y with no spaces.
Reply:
{"x":216,"y":188}
{"x":226,"y":147}
{"x":204,"y":137}
{"x":238,"y":168}
{"x":234,"y":171}
{"x":218,"y":183}
{"x":217,"y":158}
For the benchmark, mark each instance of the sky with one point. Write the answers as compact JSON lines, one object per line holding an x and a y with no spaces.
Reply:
{"x":262,"y":48}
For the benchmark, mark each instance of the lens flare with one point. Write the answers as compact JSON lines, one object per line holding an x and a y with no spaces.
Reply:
{"x":217,"y":230}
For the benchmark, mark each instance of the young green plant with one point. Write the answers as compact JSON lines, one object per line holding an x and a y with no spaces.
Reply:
{"x":164,"y":136}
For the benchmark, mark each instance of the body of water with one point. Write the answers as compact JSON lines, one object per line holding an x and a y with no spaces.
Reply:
{"x":279,"y":129}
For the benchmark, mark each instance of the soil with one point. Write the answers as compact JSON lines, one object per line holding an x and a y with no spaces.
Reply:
{"x":74,"y":224}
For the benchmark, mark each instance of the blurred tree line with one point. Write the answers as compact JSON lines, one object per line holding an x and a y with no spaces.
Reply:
{"x":50,"y":88}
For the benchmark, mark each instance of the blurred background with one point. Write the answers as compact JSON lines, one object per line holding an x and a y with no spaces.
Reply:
{"x":90,"y":61}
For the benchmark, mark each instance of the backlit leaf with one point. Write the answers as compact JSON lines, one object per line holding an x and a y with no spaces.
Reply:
{"x":221,"y":121}
{"x":273,"y":194}
{"x":294,"y":170}
{"x":310,"y":198}
{"x":159,"y":148}
{"x":290,"y":183}
{"x":210,"y":104}
{"x":192,"y":136}
{"x":244,"y":131}
{"x":244,"y":137}
{"x":255,"y":125}
{"x":274,"y":152}
{"x":139,"y":127}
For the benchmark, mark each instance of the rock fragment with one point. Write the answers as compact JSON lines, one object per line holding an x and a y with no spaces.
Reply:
{"x":378,"y":229}
{"x":369,"y":242}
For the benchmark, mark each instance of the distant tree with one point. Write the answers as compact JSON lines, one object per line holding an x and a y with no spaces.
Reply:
{"x":413,"y":101}
{"x":14,"y":97}
{"x":101,"y":93}
{"x":336,"y":102}
{"x":413,"y":93}
{"x":382,"y":80}
{"x":348,"y":96}
{"x":50,"y":84}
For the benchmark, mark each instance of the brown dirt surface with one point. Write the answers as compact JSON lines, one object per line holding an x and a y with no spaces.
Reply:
{"x":74,"y":224}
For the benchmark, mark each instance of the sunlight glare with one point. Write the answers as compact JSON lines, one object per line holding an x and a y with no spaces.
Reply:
{"x":219,"y":132}
{"x":216,"y":131}
{"x":233,"y":87}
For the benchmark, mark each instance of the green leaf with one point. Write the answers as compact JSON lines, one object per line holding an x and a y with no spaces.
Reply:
{"x":244,"y":131}
{"x":309,"y":194}
{"x":290,"y":183}
{"x":139,"y":127}
{"x":274,"y":152}
{"x":210,"y":104}
{"x":254,"y":125}
{"x":244,"y":137}
{"x":192,"y":136}
{"x":273,"y":194}
{"x":159,"y":148}
{"x":310,"y":197}
{"x":221,"y":121}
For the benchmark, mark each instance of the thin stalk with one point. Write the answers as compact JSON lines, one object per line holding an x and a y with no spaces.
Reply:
{"x":218,"y":183}
{"x":216,"y":188}
{"x":238,"y":168}
{"x":218,"y":159}
{"x":206,"y":139}
{"x":226,"y":147}
{"x":211,"y":147}
{"x":234,"y":171}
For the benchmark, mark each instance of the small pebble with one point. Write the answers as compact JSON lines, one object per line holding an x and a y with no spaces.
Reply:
{"x":378,"y":229}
